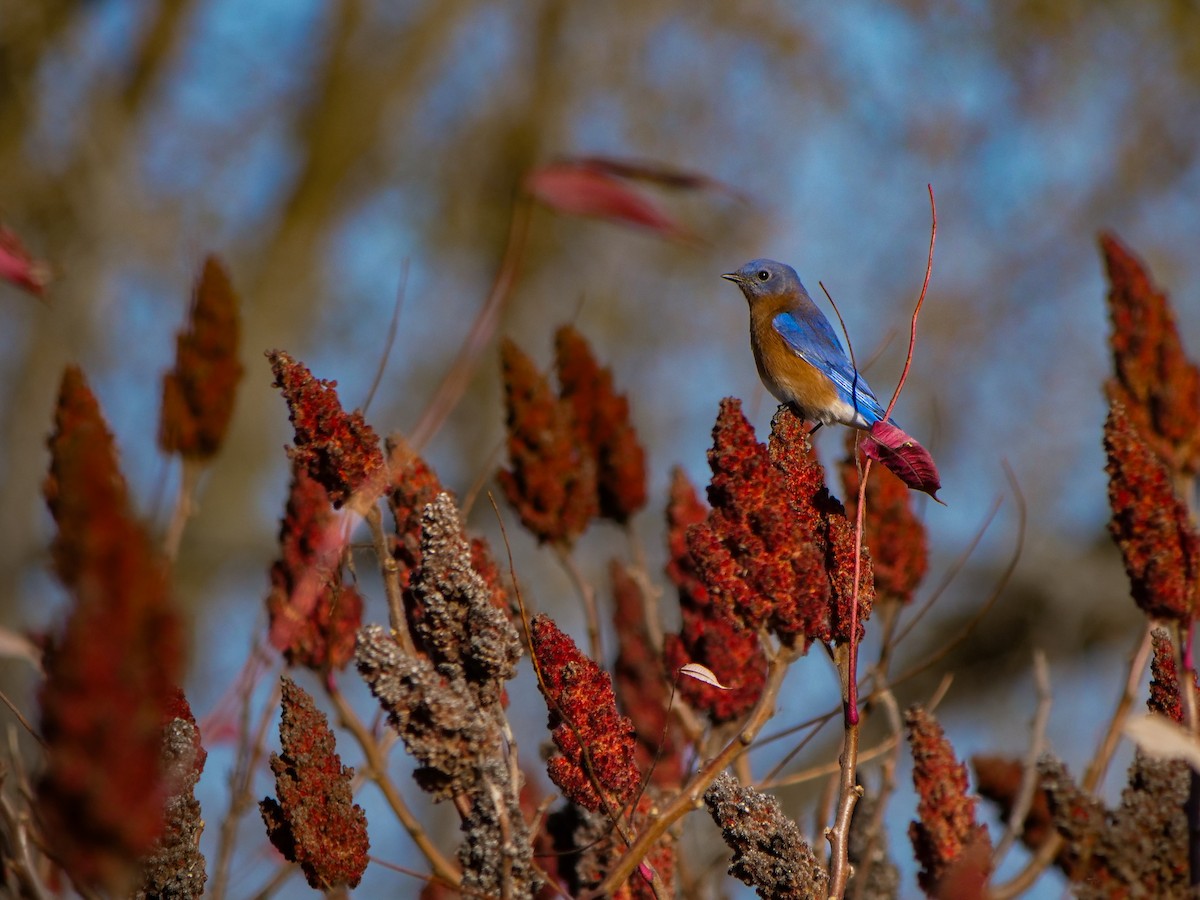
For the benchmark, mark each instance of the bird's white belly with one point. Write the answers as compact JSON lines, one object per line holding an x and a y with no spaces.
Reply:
{"x":815,"y":405}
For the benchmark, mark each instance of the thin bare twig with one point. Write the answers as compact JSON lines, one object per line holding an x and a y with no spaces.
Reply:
{"x":487,"y":471}
{"x":1023,"y":880}
{"x":587,"y":596}
{"x":21,"y":863}
{"x":1029,"y":778}
{"x":651,"y":592}
{"x":816,"y":724}
{"x":887,"y":784}
{"x":948,"y":647}
{"x":953,"y":572}
{"x":849,"y":793}
{"x":425,"y":879}
{"x":241,"y":782}
{"x":391,"y":580}
{"x":851,"y":680}
{"x":20,"y":856}
{"x":189,"y":479}
{"x":25,"y":723}
{"x":389,"y":340}
{"x":887,"y":615}
{"x":912,"y":334}
{"x":454,"y":385}
{"x":824,"y":807}
{"x":1096,"y":770}
{"x":277,"y":880}
{"x":847,"y":665}
{"x":812,"y":773}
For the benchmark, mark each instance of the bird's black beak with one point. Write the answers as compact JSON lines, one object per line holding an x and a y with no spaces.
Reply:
{"x":732,"y":276}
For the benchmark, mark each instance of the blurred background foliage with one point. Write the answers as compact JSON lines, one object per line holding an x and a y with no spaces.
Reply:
{"x":320,"y":148}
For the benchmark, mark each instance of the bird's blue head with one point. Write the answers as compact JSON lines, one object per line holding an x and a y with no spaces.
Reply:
{"x":761,"y":278}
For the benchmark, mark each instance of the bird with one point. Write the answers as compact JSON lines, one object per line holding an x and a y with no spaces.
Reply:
{"x":803,"y":364}
{"x":799,"y":357}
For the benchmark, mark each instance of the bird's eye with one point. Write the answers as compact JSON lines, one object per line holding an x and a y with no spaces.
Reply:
{"x":764,"y":275}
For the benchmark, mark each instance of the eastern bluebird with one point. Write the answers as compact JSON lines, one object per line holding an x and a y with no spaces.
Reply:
{"x":800,"y":359}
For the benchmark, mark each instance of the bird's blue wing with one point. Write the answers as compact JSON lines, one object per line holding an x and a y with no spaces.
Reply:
{"x":812,"y":339}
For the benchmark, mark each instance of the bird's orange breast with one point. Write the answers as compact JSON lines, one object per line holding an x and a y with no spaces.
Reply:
{"x":790,"y":378}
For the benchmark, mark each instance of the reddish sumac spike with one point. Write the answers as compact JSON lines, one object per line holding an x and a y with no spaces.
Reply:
{"x":713,"y":544}
{"x":111,"y":673}
{"x":445,"y":702}
{"x":484,"y":563}
{"x":438,"y":717}
{"x":1137,"y":849}
{"x":413,"y":484}
{"x":339,"y":449}
{"x":1150,"y":524}
{"x":945,"y":836}
{"x":708,"y":634}
{"x":821,"y":520}
{"x":412,"y":487}
{"x":755,"y":552}
{"x":768,"y":852}
{"x":199,"y":393}
{"x":640,"y":682}
{"x":314,"y":615}
{"x":684,"y":509}
{"x":602,"y":416}
{"x":1164,"y":679}
{"x":175,"y":868}
{"x":1155,"y":381}
{"x":460,"y":627}
{"x":314,"y":822}
{"x":597,"y":745}
{"x":552,"y":482}
{"x":840,"y":553}
{"x":85,"y":486}
{"x":899,"y":547}
{"x":776,"y":550}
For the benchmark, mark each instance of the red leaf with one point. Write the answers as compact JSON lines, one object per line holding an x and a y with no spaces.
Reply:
{"x":19,"y":267}
{"x":904,"y":457}
{"x":656,"y":173}
{"x":586,"y":189}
